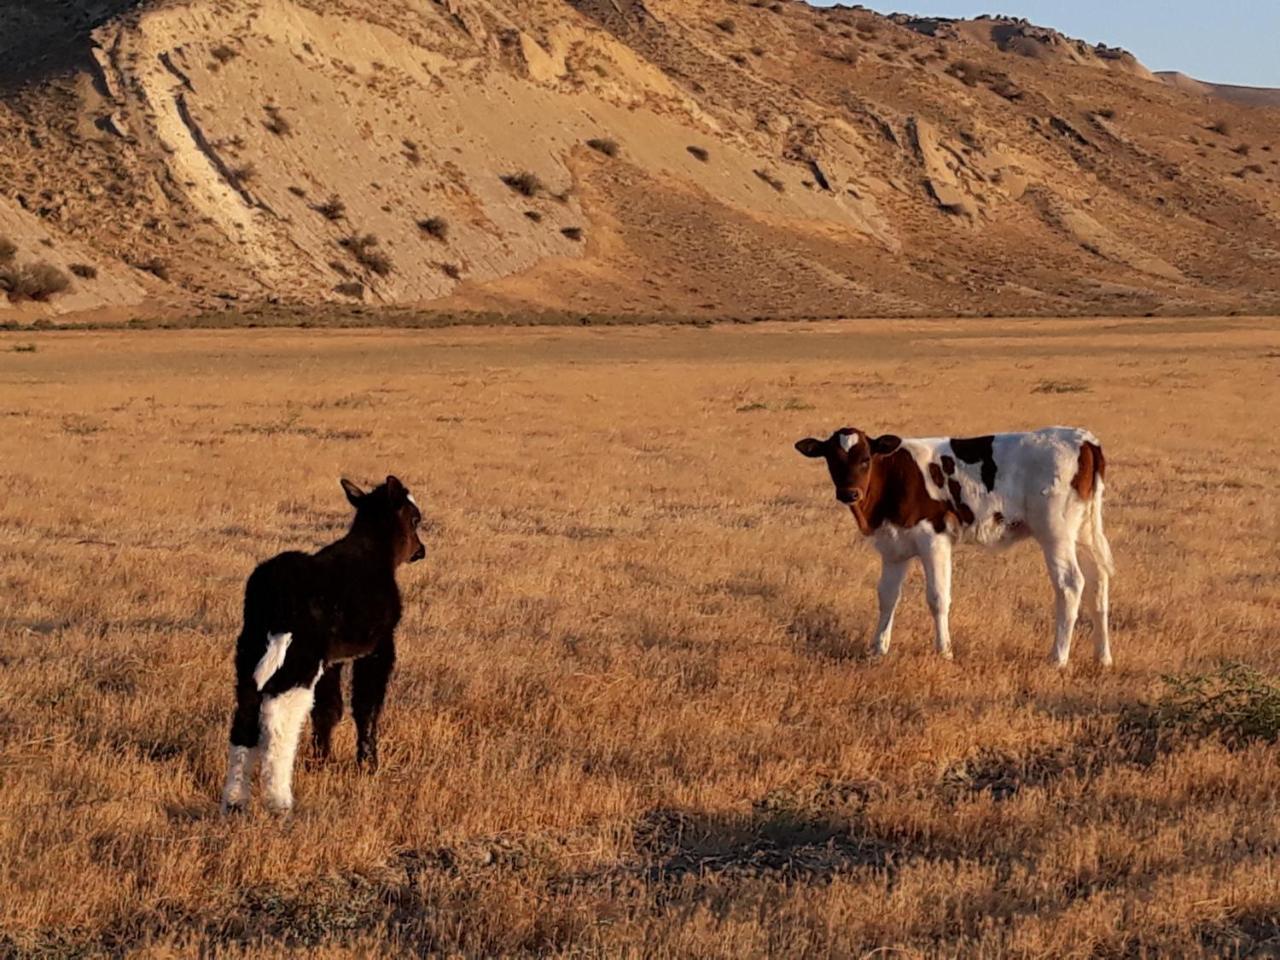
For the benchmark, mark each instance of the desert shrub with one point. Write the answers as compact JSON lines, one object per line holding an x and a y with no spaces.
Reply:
{"x":298,"y":191}
{"x":1060,"y":386}
{"x":436,"y":227}
{"x":411,"y":152}
{"x":1241,"y":150}
{"x":451,"y":270}
{"x":156,"y":266}
{"x":699,"y":153}
{"x":33,"y":281}
{"x":1106,"y":113}
{"x":533,"y":215}
{"x":245,"y":173}
{"x":525,"y":183}
{"x":7,"y":249}
{"x":1235,"y":704}
{"x":609,"y":148}
{"x":24,"y":348}
{"x":223,"y":53}
{"x":276,"y":121}
{"x":757,"y":51}
{"x":350,"y":288}
{"x":573,"y":233}
{"x":84,"y":271}
{"x":1220,"y":127}
{"x":331,"y":209}
{"x":738,"y":58}
{"x":727,"y":25}
{"x":770,"y":179}
{"x":364,"y":249}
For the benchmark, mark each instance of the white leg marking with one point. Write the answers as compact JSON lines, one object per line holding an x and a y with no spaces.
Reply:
{"x":239,"y":785}
{"x":282,"y":720}
{"x":936,"y":561}
{"x":892,"y":574}
{"x":273,"y":658}
{"x":1068,"y":585}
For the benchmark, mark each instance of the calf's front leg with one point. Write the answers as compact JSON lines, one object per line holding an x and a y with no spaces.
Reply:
{"x":936,"y":560}
{"x":369,"y":677}
{"x":892,"y":574}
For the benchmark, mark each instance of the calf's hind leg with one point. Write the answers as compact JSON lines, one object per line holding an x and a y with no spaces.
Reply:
{"x":1068,"y":585}
{"x":283,"y":715}
{"x":244,"y":748}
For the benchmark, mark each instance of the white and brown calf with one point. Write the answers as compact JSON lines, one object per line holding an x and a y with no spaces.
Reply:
{"x":916,"y":498}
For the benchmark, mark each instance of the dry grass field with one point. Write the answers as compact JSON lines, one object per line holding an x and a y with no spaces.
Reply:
{"x":632,"y":714}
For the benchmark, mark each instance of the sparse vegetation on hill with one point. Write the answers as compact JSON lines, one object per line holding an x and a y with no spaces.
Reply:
{"x":524,"y":183}
{"x":32,"y":281}
{"x":364,"y":250}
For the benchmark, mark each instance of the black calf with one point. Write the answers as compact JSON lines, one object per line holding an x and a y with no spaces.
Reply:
{"x":304,"y":615}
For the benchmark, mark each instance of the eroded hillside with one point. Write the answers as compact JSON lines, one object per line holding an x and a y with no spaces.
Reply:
{"x":692,"y":157}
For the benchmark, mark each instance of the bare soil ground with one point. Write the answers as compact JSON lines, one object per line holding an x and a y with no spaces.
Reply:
{"x":632,"y":714}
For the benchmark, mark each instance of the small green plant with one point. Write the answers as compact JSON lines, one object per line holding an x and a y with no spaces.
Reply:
{"x":525,"y":183}
{"x":1236,"y":704}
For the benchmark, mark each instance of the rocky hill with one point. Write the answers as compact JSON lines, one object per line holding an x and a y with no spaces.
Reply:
{"x":665,"y":157}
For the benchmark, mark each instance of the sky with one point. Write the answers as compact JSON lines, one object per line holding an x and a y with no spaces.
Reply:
{"x":1225,"y":41}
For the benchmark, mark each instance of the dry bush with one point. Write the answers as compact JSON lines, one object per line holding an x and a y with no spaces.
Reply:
{"x":435,"y":227}
{"x":364,"y":250}
{"x":770,"y":179}
{"x":1221,"y":127}
{"x":525,"y":183}
{"x":23,"y":348}
{"x":412,"y":153}
{"x":609,"y":148}
{"x":243,"y":174}
{"x":533,"y":215}
{"x":699,"y":153}
{"x":451,"y":270}
{"x":156,"y":266}
{"x":8,"y":250}
{"x":332,"y":209}
{"x":32,"y":281}
{"x":224,"y":54}
{"x":350,"y":288}
{"x":85,"y":271}
{"x":297,"y":191}
{"x":573,"y":233}
{"x":276,"y":121}
{"x":727,"y":25}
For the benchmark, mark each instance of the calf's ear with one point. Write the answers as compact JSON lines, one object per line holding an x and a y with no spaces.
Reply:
{"x":811,"y":447}
{"x":354,"y":493}
{"x":886,"y":444}
{"x":395,"y":487}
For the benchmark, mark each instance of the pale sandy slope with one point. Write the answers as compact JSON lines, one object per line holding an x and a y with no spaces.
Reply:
{"x":853,"y":164}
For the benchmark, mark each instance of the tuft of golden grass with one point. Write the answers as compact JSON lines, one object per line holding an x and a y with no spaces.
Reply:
{"x":632,"y":713}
